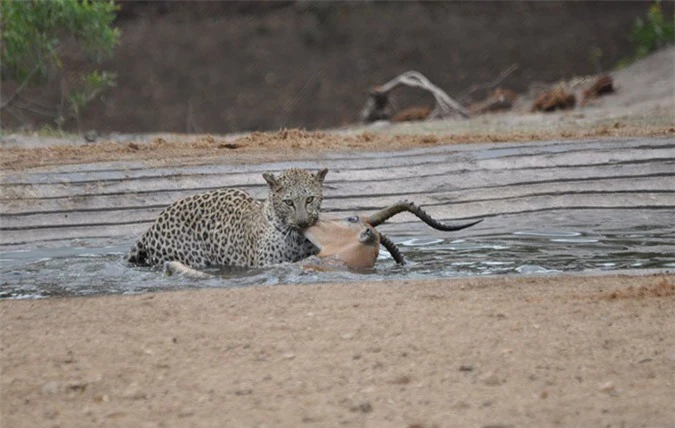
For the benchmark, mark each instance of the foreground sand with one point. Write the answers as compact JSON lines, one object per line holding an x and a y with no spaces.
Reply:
{"x":497,"y":352}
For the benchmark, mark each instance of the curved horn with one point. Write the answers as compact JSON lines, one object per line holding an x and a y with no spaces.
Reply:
{"x":383,"y":215}
{"x":393,"y":249}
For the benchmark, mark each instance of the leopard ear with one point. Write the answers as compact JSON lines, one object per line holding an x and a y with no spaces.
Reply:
{"x":321,"y":174}
{"x":271,"y":179}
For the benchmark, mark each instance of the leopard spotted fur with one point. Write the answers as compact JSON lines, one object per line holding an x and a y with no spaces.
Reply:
{"x":228,"y":227}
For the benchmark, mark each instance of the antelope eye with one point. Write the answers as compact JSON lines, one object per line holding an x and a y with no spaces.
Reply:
{"x":309,"y":199}
{"x":353,"y":219}
{"x":288,"y":202}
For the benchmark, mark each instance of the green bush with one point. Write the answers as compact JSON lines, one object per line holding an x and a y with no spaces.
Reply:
{"x":651,"y":33}
{"x":33,"y":32}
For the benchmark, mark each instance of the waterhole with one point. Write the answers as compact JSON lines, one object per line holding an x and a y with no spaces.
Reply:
{"x":549,"y":207}
{"x":542,"y":243}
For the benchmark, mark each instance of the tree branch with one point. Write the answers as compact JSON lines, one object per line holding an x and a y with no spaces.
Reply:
{"x":34,"y":108}
{"x":444,"y":104}
{"x":475,"y":87}
{"x":21,"y":87}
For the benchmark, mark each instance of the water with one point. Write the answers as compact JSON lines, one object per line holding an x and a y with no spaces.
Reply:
{"x":559,"y":241}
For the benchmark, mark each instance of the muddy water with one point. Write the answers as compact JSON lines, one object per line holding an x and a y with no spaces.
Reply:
{"x":544,"y":243}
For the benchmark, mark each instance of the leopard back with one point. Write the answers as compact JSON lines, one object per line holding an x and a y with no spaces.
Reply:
{"x":228,"y":227}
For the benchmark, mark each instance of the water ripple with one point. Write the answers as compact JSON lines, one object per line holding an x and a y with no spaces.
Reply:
{"x":508,"y":245}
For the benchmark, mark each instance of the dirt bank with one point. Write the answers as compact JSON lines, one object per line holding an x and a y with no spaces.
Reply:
{"x":287,"y":145}
{"x":512,"y":351}
{"x":222,"y":67}
{"x":643,"y":106}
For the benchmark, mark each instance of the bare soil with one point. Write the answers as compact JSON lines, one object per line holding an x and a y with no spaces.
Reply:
{"x":483,"y":352}
{"x":643,"y":106}
{"x":285,"y":145}
{"x":223,"y":67}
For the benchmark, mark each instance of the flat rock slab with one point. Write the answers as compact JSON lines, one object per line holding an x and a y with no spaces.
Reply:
{"x":452,"y":182}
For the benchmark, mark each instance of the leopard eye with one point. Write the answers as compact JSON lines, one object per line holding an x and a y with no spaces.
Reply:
{"x":288,"y":202}
{"x":353,"y":219}
{"x":309,"y":199}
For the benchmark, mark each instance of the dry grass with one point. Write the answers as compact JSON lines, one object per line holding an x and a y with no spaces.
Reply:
{"x":290,"y":144}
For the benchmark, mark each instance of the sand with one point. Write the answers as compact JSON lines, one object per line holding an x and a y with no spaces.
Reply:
{"x":484,"y":352}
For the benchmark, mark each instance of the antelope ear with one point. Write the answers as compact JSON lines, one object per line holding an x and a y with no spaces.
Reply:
{"x":271,"y":179}
{"x":321,"y":174}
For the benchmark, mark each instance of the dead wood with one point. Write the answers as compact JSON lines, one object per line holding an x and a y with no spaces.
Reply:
{"x":497,"y":100}
{"x":464,"y":95}
{"x":412,"y":114}
{"x":602,"y":85}
{"x":378,"y":105}
{"x":556,"y":99}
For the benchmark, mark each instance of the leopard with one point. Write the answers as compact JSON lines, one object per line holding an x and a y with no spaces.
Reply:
{"x":228,"y":227}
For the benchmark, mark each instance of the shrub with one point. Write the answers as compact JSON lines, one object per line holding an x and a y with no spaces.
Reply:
{"x":33,"y":33}
{"x":651,"y":33}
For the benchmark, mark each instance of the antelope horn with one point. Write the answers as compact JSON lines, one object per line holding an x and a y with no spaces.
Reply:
{"x":383,"y":215}
{"x":393,"y":249}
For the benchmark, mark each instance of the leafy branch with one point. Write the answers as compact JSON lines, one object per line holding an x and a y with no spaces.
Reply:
{"x":32,"y":34}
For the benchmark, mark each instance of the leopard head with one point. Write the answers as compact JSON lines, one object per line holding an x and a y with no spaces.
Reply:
{"x":295,"y":196}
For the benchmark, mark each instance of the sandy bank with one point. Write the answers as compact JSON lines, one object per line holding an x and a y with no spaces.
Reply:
{"x":502,"y":351}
